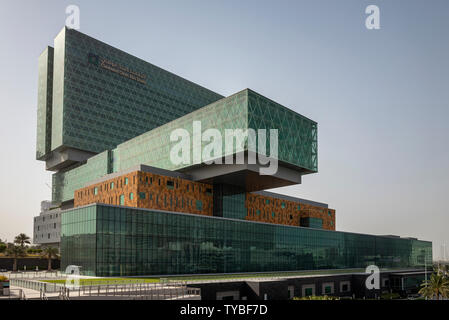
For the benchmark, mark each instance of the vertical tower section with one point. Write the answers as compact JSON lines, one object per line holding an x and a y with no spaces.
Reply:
{"x":58,"y":91}
{"x":44,"y":103}
{"x":103,"y":96}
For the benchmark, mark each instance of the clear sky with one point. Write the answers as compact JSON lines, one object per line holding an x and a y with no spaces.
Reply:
{"x":380,"y":97}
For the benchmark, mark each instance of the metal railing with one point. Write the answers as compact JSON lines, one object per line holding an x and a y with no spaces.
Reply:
{"x":129,"y":289}
{"x":140,"y":291}
{"x":45,"y":287}
{"x":43,"y":296}
{"x":33,"y":275}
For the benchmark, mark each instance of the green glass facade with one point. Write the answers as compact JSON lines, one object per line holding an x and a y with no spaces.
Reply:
{"x":103,"y":96}
{"x":316,"y":223}
{"x":298,"y":135}
{"x":229,"y":201}
{"x":116,"y":241}
{"x":246,"y":109}
{"x":64,"y":183}
{"x":243,"y":110}
{"x":44,"y":103}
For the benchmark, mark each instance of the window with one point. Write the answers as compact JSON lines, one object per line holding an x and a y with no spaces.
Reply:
{"x":344,"y":287}
{"x":209,"y":191}
{"x":122,"y":200}
{"x":131,"y":196}
{"x":126,"y":181}
{"x":170,"y":184}
{"x":283,"y":205}
{"x":54,"y":226}
{"x":112,"y":185}
{"x":199,"y":205}
{"x":311,"y":222}
{"x":328,"y":289}
{"x":142,"y":195}
{"x":267,"y":201}
{"x":329,"y":213}
{"x":299,"y":207}
{"x":273,"y":214}
{"x":308,"y":291}
{"x":258,"y":212}
{"x":95,"y":191}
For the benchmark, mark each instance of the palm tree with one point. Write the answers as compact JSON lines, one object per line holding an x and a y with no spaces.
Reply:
{"x":15,"y":252}
{"x":22,"y":239}
{"x":436,"y":286}
{"x":49,"y":253}
{"x":2,"y":246}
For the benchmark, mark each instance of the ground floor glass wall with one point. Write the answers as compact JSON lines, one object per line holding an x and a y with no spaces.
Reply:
{"x":131,"y":241}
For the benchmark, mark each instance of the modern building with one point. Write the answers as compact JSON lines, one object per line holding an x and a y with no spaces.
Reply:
{"x":47,"y":226}
{"x":105,"y":126}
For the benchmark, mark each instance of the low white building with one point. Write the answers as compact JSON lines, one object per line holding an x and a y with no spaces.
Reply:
{"x":47,"y":226}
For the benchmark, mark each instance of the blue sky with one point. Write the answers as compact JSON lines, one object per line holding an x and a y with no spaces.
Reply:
{"x":380,"y":97}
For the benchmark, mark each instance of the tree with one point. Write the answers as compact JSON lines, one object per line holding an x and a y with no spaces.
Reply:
{"x":22,"y":239}
{"x":49,"y":253}
{"x":3,"y":246}
{"x":437,"y":286}
{"x":15,"y":252}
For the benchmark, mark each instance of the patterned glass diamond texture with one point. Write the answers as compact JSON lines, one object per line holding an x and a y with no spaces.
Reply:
{"x":153,"y":147}
{"x":297,"y":144}
{"x":245,"y":109}
{"x":44,"y":103}
{"x":95,"y":109}
{"x":65,"y":183}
